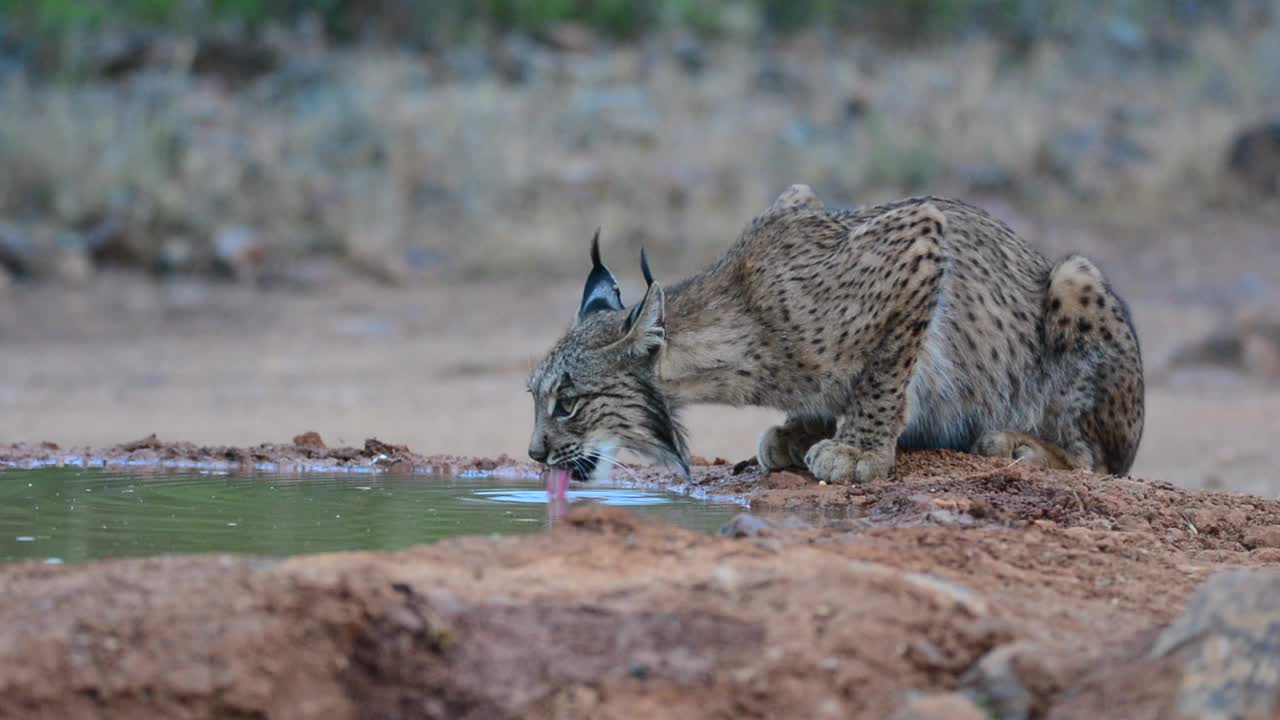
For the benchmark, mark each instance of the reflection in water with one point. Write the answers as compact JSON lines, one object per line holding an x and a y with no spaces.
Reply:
{"x":557,"y":507}
{"x":74,"y":515}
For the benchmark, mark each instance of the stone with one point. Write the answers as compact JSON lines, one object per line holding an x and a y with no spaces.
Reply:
{"x":1266,"y":536}
{"x":238,"y":251}
{"x":996,"y":681}
{"x":234,"y":62}
{"x":115,"y":56}
{"x":309,"y":440}
{"x":1253,"y":158}
{"x":1227,"y":642}
{"x":746,"y":525}
{"x":690,"y":53}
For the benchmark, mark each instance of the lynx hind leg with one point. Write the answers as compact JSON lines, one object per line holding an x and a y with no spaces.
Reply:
{"x":796,"y":197}
{"x":785,"y":445}
{"x":1096,"y":416}
{"x":1023,"y":449}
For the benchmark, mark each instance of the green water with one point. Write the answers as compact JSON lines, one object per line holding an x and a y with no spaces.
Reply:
{"x":68,"y":515}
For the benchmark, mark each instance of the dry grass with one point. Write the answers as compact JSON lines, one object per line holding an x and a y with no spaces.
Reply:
{"x":372,"y":155}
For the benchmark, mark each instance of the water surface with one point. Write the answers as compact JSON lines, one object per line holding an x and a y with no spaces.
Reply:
{"x":71,"y":515}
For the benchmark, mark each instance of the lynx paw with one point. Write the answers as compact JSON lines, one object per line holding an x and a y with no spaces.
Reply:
{"x":1022,"y":448}
{"x":834,"y":461}
{"x":781,"y":447}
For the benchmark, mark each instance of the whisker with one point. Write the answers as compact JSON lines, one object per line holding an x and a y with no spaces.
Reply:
{"x":615,"y":463}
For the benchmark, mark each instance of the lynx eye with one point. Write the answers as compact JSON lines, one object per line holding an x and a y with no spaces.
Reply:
{"x":565,"y":408}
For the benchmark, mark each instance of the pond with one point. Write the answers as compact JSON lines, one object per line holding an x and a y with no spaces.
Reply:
{"x":72,"y":515}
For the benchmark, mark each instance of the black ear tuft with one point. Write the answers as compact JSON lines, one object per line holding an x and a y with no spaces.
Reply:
{"x":601,"y":291}
{"x":644,"y":268}
{"x":595,"y":250}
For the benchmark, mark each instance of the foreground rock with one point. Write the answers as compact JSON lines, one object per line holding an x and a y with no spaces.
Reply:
{"x":963,"y":587}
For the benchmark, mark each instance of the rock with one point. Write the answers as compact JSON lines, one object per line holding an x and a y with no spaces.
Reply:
{"x":1222,"y":348}
{"x":12,"y":61}
{"x":1266,"y":536}
{"x":387,"y":268}
{"x":309,"y":440}
{"x":515,"y":58}
{"x":1259,"y":330}
{"x":234,"y":62}
{"x":746,"y":525}
{"x":1126,"y":35}
{"x":1227,"y":642}
{"x":989,"y":178}
{"x":15,"y":249}
{"x":1091,"y":162}
{"x":690,"y":53}
{"x":116,"y":56}
{"x":1250,"y":342}
{"x":72,"y":265}
{"x":1261,"y":356}
{"x":106,"y":239}
{"x":939,"y":706}
{"x":467,"y":63}
{"x":1059,"y":155}
{"x":997,"y":683}
{"x":774,"y":77}
{"x":956,"y":594}
{"x":855,"y":108}
{"x":238,"y":252}
{"x":177,"y":255}
{"x":1014,"y":681}
{"x":43,"y":250}
{"x":1253,"y":158}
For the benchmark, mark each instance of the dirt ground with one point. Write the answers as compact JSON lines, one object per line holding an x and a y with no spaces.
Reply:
{"x":1038,"y":594}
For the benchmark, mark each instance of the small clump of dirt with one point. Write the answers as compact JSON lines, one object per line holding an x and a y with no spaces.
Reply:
{"x":310,"y":440}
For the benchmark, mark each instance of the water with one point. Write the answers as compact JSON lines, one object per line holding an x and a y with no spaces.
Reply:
{"x":71,"y":515}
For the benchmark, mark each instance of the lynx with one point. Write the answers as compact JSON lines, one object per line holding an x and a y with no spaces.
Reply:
{"x":922,"y":323}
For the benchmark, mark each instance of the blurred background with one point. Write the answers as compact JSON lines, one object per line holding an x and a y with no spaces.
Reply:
{"x":230,"y":221}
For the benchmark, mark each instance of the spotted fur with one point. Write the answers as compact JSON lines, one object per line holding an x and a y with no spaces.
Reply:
{"x":924,"y":323}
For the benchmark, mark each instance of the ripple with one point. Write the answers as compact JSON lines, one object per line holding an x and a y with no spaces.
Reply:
{"x":617,"y":497}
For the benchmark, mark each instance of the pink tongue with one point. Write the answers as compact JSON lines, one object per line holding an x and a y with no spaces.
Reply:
{"x":557,"y":482}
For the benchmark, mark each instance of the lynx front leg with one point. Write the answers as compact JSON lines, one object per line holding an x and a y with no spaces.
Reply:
{"x":785,"y":445}
{"x":912,"y":268}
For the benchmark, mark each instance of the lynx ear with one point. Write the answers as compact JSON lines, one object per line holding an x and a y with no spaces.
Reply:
{"x":601,"y":291}
{"x":646,"y":325}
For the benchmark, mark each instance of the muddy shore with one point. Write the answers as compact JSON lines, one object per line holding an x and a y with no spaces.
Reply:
{"x":962,"y":584}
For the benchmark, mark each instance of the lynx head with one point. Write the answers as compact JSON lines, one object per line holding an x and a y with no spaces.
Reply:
{"x":596,"y":392}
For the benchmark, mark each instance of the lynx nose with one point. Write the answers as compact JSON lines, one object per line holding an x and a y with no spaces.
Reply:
{"x":538,"y":452}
